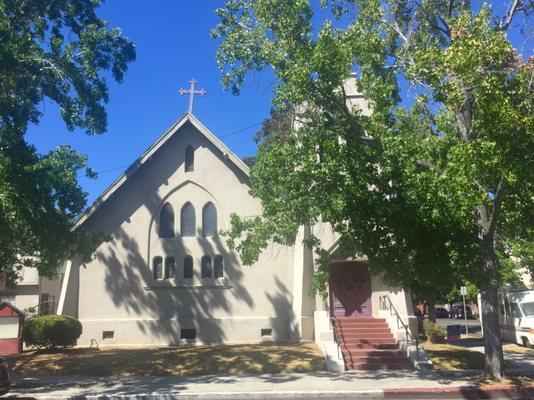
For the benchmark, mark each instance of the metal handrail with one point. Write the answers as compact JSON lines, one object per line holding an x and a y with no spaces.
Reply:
{"x":392,"y":309}
{"x":336,"y":339}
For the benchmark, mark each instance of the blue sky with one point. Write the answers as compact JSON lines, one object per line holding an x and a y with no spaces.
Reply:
{"x":173,"y":45}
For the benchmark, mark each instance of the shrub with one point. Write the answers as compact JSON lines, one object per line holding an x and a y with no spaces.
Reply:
{"x":434,"y":332}
{"x":51,"y":331}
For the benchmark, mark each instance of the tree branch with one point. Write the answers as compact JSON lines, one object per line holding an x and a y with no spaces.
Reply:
{"x":497,"y":203}
{"x":513,"y":9}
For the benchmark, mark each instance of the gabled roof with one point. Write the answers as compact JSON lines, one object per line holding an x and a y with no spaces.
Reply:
{"x":11,"y":306}
{"x":187,"y":117}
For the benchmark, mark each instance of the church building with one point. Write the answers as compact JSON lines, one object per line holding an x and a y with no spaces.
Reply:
{"x":166,"y":276}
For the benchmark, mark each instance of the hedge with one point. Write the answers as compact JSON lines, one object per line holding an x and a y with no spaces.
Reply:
{"x":434,"y":332}
{"x":51,"y":331}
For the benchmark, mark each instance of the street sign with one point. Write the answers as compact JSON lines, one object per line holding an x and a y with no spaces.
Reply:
{"x":463,"y":291}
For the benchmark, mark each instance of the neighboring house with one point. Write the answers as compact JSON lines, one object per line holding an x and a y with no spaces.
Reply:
{"x":167,"y":275}
{"x":34,"y":292}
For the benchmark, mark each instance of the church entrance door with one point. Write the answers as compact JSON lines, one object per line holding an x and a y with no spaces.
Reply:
{"x":350,"y":289}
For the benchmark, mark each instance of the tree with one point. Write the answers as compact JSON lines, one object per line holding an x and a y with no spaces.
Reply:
{"x":56,"y":50}
{"x":444,"y":161}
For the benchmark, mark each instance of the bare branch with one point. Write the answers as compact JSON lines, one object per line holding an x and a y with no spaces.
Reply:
{"x":513,"y":9}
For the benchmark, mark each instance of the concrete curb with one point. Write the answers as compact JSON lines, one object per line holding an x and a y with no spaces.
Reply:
{"x":462,"y":392}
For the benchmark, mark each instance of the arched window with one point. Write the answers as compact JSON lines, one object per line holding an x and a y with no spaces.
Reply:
{"x":219,"y":266}
{"x":170,"y":268}
{"x":166,"y":221}
{"x":189,"y":159}
{"x":205,"y":267}
{"x":187,"y":220}
{"x":209,"y":220}
{"x":188,"y":267}
{"x":157,"y":268}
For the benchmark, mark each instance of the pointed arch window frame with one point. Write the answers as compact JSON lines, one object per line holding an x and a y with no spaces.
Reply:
{"x":209,"y":220}
{"x":166,"y":221}
{"x":188,"y":225}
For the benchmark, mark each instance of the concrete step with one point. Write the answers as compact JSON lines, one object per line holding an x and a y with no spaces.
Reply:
{"x":373,"y":352}
{"x":370,"y":346}
{"x":375,"y":360}
{"x":379,"y":365}
{"x":368,"y":335}
{"x":364,"y":330}
{"x":358,"y":320}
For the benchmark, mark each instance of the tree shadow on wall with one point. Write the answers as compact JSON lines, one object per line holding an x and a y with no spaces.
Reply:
{"x":158,"y":305}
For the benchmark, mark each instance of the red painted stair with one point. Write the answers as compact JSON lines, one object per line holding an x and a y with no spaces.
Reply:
{"x":368,"y":344}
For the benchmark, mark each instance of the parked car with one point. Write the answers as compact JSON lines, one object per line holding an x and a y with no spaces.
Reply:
{"x":5,"y":377}
{"x":441,"y":313}
{"x":457,"y":311}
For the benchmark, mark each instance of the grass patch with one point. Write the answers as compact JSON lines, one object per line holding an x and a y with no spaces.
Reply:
{"x":519,"y":381}
{"x":176,"y":361}
{"x":515,"y":348}
{"x":448,"y":357}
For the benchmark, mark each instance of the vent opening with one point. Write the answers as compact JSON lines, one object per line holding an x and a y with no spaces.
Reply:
{"x":267,"y":332}
{"x":188,"y":333}
{"x":108,"y":334}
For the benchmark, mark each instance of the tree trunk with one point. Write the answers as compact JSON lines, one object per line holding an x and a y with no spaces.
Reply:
{"x":431,"y":309}
{"x":490,"y":316}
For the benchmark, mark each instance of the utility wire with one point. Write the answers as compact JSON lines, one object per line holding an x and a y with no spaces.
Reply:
{"x":222,"y":137}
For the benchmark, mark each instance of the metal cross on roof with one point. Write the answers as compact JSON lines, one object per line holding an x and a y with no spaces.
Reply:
{"x":192,"y":91}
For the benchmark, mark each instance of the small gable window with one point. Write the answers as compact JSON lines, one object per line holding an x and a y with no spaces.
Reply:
{"x":166,"y":221}
{"x":157,"y":268}
{"x":170,"y":268}
{"x":188,"y":267}
{"x":189,"y":159}
{"x":205,"y":265}
{"x":187,"y":220}
{"x":209,"y":220}
{"x":219,"y":266}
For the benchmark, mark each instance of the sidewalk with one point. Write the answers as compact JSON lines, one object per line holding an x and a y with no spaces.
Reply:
{"x":324,"y":385}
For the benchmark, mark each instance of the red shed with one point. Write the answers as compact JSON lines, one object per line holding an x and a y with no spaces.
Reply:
{"x":11,"y":324}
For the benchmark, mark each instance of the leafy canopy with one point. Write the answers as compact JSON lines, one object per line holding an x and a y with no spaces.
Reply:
{"x":442,"y":165}
{"x":61,"y":51}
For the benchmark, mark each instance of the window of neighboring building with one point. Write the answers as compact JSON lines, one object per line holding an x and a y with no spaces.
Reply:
{"x":209,"y":220}
{"x":219,"y":266}
{"x":157,"y":268}
{"x":205,"y":267}
{"x":188,"y":267}
{"x":189,"y":159}
{"x":187,"y":220}
{"x":166,"y":221}
{"x":170,"y":268}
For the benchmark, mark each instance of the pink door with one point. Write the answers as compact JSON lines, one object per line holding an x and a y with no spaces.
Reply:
{"x":350,"y":289}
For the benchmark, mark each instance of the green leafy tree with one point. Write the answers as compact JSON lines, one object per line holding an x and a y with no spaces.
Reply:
{"x":436,"y":180}
{"x":60,"y":51}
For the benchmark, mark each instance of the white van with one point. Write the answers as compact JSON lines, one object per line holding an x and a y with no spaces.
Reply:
{"x":517,"y":317}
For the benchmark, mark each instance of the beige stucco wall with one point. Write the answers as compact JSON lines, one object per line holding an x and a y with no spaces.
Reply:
{"x":115,"y":292}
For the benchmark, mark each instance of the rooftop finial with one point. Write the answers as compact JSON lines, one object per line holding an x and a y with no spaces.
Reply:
{"x":192,"y":91}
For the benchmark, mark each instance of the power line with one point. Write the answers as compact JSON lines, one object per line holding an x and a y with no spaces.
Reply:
{"x":222,"y":137}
